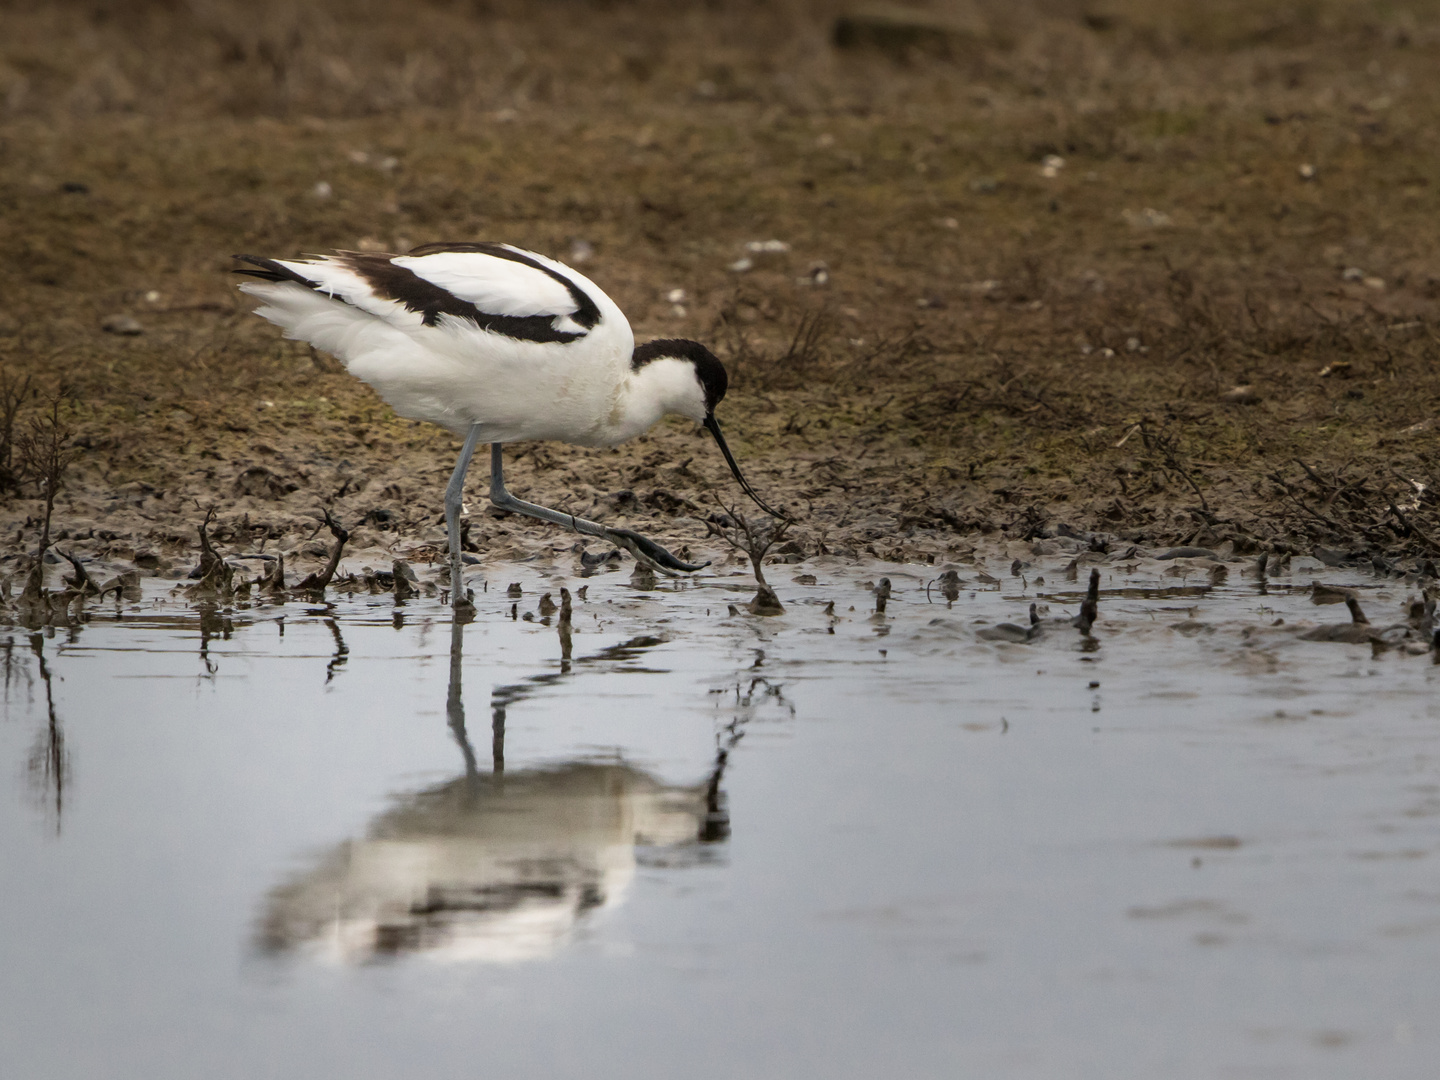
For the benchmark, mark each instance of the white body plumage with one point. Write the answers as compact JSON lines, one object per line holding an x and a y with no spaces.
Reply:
{"x":483,"y":334}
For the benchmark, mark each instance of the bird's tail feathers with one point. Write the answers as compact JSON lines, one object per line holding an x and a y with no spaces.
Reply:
{"x":331,"y":325}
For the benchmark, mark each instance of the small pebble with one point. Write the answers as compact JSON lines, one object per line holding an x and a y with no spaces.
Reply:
{"x":124,"y":325}
{"x":818,"y":277}
{"x":1148,"y":218}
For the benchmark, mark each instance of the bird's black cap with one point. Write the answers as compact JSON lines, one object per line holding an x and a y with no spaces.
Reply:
{"x":708,"y":368}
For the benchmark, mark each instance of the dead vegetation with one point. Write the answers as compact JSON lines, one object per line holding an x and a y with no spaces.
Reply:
{"x":752,"y":538}
{"x":1360,"y":515}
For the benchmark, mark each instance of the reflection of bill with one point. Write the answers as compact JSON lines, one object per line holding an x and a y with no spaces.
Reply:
{"x":490,"y":868}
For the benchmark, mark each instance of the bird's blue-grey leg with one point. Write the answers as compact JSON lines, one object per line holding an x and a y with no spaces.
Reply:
{"x":454,"y":502}
{"x":646,"y":552}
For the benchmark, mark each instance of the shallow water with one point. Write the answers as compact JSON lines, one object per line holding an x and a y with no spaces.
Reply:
{"x":294,"y":840}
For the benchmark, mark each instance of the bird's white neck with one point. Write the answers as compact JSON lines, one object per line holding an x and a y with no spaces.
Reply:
{"x":657,"y":389}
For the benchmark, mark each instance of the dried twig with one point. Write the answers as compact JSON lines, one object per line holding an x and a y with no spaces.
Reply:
{"x":317,"y":582}
{"x":45,"y":453}
{"x":1090,"y":606}
{"x":13,"y":392}
{"x":754,"y":539}
{"x":81,"y":582}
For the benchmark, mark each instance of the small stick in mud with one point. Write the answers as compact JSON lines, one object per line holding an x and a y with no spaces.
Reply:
{"x":316,"y":583}
{"x":406,"y":583}
{"x":1019,"y":635}
{"x":1357,"y":631}
{"x":45,"y":453}
{"x":1090,"y":606}
{"x":208,"y":555}
{"x":80,"y":583}
{"x":950,"y":585}
{"x":754,"y":539}
{"x":216,"y":575}
{"x":882,"y":595}
{"x":566,"y":645}
{"x":274,"y":578}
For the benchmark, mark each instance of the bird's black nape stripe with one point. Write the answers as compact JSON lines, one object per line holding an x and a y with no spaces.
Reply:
{"x":708,"y":368}
{"x":587,"y":313}
{"x":398,"y":283}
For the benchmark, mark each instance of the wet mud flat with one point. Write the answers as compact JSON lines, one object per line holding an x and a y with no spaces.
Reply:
{"x":272,"y":836}
{"x":1163,"y":269}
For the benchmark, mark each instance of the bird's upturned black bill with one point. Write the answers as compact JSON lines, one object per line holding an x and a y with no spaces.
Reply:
{"x":714,"y":427}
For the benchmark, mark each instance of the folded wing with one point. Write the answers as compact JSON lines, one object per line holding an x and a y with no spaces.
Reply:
{"x":493,"y":287}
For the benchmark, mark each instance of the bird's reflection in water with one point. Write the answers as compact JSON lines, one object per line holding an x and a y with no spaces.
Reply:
{"x":495,"y":865}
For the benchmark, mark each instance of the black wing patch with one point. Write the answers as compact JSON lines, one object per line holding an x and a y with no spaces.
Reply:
{"x":586,"y":313}
{"x":391,"y":282}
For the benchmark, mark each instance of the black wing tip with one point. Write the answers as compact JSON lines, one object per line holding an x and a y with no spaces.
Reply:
{"x":268,"y":270}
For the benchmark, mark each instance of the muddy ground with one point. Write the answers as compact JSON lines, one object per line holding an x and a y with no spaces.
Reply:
{"x":1167,"y":272}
